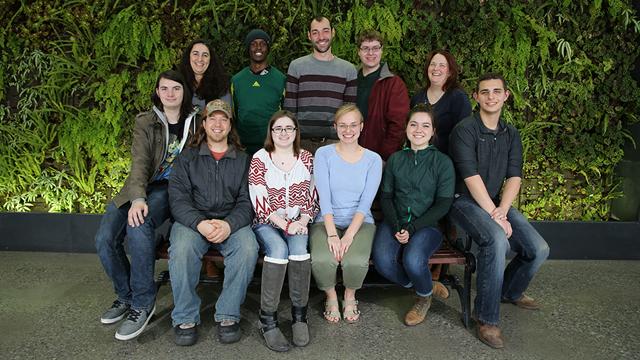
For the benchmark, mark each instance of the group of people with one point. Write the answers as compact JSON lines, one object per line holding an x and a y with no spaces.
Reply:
{"x":290,"y":165}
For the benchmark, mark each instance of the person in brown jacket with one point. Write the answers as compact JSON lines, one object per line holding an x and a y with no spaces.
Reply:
{"x":143,"y":204}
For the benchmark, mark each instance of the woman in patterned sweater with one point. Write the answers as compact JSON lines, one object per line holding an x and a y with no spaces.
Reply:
{"x":284,"y":198}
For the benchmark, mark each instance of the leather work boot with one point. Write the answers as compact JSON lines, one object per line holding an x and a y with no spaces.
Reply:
{"x":524,"y":302}
{"x":490,"y":335}
{"x":418,"y":311}
{"x":439,"y":290}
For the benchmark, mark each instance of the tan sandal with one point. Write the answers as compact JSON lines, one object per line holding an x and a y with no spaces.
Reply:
{"x":354,"y":313}
{"x":329,"y":315}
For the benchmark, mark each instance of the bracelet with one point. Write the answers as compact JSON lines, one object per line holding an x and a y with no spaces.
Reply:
{"x":286,"y":228}
{"x":332,"y":236}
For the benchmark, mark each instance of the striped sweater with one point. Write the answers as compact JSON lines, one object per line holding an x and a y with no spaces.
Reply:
{"x":316,"y":89}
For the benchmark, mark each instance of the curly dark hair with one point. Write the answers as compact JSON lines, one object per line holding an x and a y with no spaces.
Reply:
{"x":215,"y":81}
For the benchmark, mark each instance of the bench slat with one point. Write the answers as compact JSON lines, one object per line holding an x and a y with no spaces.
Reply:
{"x":445,"y":255}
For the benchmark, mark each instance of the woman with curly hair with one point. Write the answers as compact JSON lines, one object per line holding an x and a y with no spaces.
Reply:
{"x":204,"y":73}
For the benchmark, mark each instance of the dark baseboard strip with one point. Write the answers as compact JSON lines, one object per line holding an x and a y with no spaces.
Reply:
{"x":74,"y":233}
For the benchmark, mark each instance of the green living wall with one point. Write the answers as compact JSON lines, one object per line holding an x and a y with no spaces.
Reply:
{"x":75,"y":73}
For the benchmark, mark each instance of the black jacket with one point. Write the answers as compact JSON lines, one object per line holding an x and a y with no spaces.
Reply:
{"x":201,"y":188}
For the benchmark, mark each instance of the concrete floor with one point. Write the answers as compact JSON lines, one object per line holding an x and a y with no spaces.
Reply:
{"x":50,"y":305}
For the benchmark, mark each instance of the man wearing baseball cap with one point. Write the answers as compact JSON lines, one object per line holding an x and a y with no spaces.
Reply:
{"x":257,"y":90}
{"x":209,"y":199}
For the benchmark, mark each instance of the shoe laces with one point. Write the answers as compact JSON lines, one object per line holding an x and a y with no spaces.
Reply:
{"x":118,"y":304}
{"x":420,"y":305}
{"x":134,"y":315}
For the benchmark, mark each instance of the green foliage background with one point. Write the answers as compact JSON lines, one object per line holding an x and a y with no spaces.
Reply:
{"x":74,"y":74}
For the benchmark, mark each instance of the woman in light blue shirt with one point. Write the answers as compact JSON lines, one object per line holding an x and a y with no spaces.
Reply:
{"x":347,"y":178}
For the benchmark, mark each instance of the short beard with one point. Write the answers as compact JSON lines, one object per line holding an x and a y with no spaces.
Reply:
{"x":212,"y":139}
{"x":321,"y":51}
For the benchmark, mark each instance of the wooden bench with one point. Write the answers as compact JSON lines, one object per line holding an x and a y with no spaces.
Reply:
{"x":447,"y":255}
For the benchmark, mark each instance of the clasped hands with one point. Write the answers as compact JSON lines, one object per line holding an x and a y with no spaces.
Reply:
{"x":214,"y":230}
{"x":499,"y":215}
{"x":297,"y":228}
{"x":402,"y":236}
{"x":339,"y":246}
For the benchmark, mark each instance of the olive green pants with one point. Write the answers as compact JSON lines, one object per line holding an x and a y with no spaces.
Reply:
{"x":355,"y":262}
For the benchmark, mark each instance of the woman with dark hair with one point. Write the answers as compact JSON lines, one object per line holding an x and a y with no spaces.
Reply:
{"x":284,"y":200}
{"x":443,"y":95}
{"x":204,"y":73}
{"x":417,"y":190}
{"x":449,"y":104}
{"x":143,"y":204}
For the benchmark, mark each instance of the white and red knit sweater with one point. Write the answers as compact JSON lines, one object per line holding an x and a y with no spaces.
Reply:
{"x":288,"y":194}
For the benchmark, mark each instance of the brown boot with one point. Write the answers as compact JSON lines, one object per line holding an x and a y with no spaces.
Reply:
{"x":525,"y":302}
{"x":439,"y":290}
{"x":418,"y":311}
{"x":490,"y":335}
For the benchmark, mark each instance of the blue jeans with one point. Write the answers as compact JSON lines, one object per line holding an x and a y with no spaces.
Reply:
{"x":406,"y":264}
{"x":279,"y":245}
{"x":493,"y":281}
{"x":133,"y":281}
{"x":240,"y":251}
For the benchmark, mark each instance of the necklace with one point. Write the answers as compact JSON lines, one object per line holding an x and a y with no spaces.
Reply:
{"x":434,"y":95}
{"x":282,"y":159}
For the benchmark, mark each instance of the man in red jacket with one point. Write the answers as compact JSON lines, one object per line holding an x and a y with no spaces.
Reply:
{"x":382,"y":98}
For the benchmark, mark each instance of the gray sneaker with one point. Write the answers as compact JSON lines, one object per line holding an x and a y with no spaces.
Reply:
{"x":135,"y":323}
{"x":115,"y":313}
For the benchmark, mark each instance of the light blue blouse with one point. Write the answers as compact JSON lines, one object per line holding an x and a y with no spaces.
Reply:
{"x":344,"y":187}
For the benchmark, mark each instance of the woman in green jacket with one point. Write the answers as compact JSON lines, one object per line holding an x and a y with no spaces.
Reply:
{"x":417,"y":190}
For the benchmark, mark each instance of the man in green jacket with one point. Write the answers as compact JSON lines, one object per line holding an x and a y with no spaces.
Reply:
{"x":258,"y":92}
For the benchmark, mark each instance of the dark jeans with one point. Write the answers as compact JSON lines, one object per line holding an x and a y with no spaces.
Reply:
{"x":406,"y":264}
{"x":494,"y":282}
{"x":132,"y":280}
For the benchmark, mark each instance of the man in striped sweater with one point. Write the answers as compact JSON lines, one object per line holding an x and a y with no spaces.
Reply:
{"x":317,"y":85}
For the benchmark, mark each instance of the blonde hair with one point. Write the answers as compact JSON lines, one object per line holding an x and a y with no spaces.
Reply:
{"x":345,"y":109}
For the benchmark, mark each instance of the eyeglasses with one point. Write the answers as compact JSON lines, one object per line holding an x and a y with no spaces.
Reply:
{"x":279,"y":130}
{"x":373,"y":49}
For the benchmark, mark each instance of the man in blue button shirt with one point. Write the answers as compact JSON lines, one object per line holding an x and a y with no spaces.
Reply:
{"x":487,"y":153}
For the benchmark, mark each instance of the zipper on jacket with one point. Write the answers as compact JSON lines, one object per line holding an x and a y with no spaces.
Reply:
{"x":217,"y":181}
{"x":165,"y":137}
